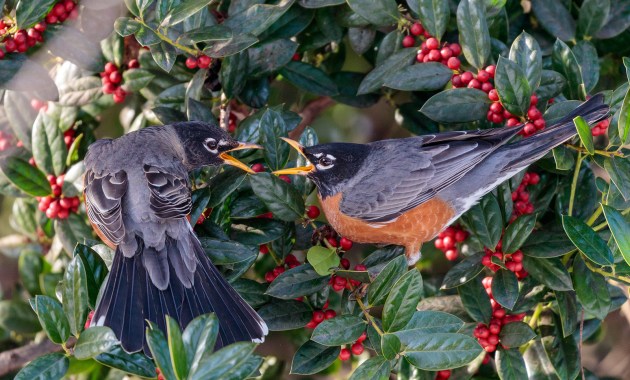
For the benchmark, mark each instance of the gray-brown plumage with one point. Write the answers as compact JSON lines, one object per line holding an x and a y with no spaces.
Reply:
{"x":137,"y":194}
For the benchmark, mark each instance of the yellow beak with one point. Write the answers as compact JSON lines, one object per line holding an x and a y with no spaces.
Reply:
{"x":300,"y":170}
{"x":229,"y":160}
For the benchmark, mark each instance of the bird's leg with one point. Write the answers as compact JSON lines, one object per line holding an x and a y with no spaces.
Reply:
{"x":412,"y":251}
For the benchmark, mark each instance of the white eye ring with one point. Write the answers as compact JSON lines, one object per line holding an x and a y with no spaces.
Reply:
{"x":326,"y":162}
{"x":211,"y":145}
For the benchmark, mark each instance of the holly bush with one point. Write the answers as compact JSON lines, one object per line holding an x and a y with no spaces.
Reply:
{"x":512,"y":290}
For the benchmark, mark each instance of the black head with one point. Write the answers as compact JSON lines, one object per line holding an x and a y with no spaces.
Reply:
{"x":207,"y":144}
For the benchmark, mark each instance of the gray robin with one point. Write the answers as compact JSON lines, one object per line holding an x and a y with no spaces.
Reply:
{"x":405,"y":191}
{"x":138,"y":196}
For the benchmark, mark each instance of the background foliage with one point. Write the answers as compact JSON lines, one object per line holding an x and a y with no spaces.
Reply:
{"x":536,"y":266}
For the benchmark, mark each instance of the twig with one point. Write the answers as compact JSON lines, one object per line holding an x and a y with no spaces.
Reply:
{"x":368,"y":316}
{"x":309,"y":113}
{"x":13,"y":360}
{"x":12,"y":241}
{"x":576,"y":174}
{"x":224,"y":113}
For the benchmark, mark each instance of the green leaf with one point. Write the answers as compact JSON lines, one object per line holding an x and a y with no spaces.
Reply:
{"x":19,"y":317}
{"x":442,"y":351}
{"x":584,"y":131}
{"x":473,"y":32}
{"x":586,"y":55}
{"x":376,"y":368}
{"x":383,"y":283}
{"x":75,"y":296}
{"x":545,"y":244}
{"x":137,"y":363}
{"x":53,"y":320}
{"x":165,"y":55}
{"x":272,"y":128}
{"x":313,"y":357}
{"x":340,"y":330}
{"x":390,"y":345}
{"x":591,"y":289}
{"x":49,"y":149}
{"x":550,"y":272}
{"x":159,"y":350}
{"x":623,"y":123}
{"x":551,"y":84}
{"x":126,"y":26}
{"x":512,"y":86}
{"x":565,"y":63}
{"x":526,"y":53}
{"x":617,"y":21}
{"x":362,"y":276}
{"x":137,"y":79}
{"x":25,"y":177}
{"x":361,"y":39}
{"x":30,"y":266}
{"x":231,"y":362}
{"x":457,"y":105}
{"x":587,"y":241}
{"x":147,"y":37}
{"x":322,"y":259}
{"x":206,"y":33}
{"x":619,"y":171}
{"x":567,"y":309}
{"x":199,"y":338}
{"x":505,"y":288}
{"x":72,"y":230}
{"x":555,"y":18}
{"x":620,"y":229}
{"x":402,"y":301}
{"x":176,"y":348}
{"x":486,"y":221}
{"x":231,"y":74}
{"x":433,"y":14}
{"x":80,"y":91}
{"x":29,"y":12}
{"x":516,"y":334}
{"x":462,"y":272}
{"x":225,"y":252}
{"x":510,"y":364}
{"x":476,"y":301}
{"x":517,"y":233}
{"x":297,"y":282}
{"x":309,"y":78}
{"x":47,"y":367}
{"x":183,"y":11}
{"x":563,"y":352}
{"x":382,"y":12}
{"x":428,"y":322}
{"x":224,"y":184}
{"x":229,"y":47}
{"x":593,"y":15}
{"x":421,"y":77}
{"x":375,"y":79}
{"x":94,"y":341}
{"x":257,"y":18}
{"x":285,"y":315}
{"x":282,"y":199}
{"x":269,"y":56}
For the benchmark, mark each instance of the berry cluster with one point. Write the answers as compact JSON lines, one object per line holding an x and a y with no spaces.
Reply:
{"x":5,"y":141}
{"x":443,"y":375}
{"x":320,"y":315}
{"x":534,"y":120}
{"x":340,"y":283}
{"x":512,"y":261}
{"x":447,"y":239}
{"x":202,"y":62}
{"x":430,"y":49}
{"x":356,"y":348}
{"x":112,"y":80}
{"x":56,"y":206}
{"x":23,"y":39}
{"x":290,"y":261}
{"x":520,"y":196}
{"x":480,"y":82}
{"x":37,"y":105}
{"x":488,"y":335}
{"x":600,"y":128}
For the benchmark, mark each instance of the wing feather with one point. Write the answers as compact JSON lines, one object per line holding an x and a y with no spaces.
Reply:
{"x":170,"y":191}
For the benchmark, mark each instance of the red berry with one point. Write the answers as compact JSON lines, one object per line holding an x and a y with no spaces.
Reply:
{"x":432,"y":43}
{"x":533,"y":100}
{"x":487,"y":87}
{"x":269,"y":277}
{"x":457,"y":50}
{"x":539,"y":123}
{"x":69,"y":5}
{"x":444,"y":374}
{"x":490,"y":70}
{"x":311,"y":324}
{"x":65,"y":203}
{"x":312,"y":211}
{"x":451,"y":254}
{"x":10,"y":45}
{"x":460,"y":236}
{"x":453,"y":63}
{"x":420,"y":57}
{"x":258,"y":168}
{"x":483,"y":76}
{"x":434,"y":55}
{"x":529,"y":129}
{"x":357,"y":348}
{"x":416,"y":29}
{"x":493,"y":340}
{"x":345,"y":244}
{"x":497,"y":118}
{"x":20,"y":37}
{"x":496,"y":107}
{"x":263,"y":249}
{"x":360,"y":267}
{"x":494,"y":329}
{"x":204,"y":61}
{"x":59,"y":10}
{"x":296,"y":57}
{"x":486,"y":261}
{"x":466,"y":77}
{"x":63,"y":213}
{"x":345,"y":263}
{"x":512,"y":122}
{"x":328,"y":314}
{"x":109,"y":88}
{"x":448,"y":242}
{"x":534,"y":178}
{"x":51,"y":18}
{"x":333,"y":242}
{"x":285,"y":178}
{"x":110,"y":67}
{"x":88,"y":320}
{"x":191,"y":62}
{"x":439,"y":244}
{"x":344,"y":354}
{"x":318,"y":316}
{"x":362,"y":338}
{"x":533,"y":113}
{"x":456,"y":80}
{"x":22,"y":48}
{"x":474,"y":84}
{"x":115,"y":77}
{"x":446,"y":53}
{"x":133,"y":64}
{"x":408,"y":41}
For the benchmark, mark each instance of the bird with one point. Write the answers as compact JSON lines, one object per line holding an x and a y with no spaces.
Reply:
{"x":138,"y":196}
{"x":406,"y":191}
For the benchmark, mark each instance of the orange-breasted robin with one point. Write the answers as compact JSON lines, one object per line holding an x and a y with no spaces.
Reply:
{"x":138,"y":196}
{"x":405,"y":191}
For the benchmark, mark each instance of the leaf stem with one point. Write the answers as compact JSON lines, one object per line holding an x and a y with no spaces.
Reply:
{"x":537,"y":312}
{"x":273,"y":255}
{"x":595,"y":215}
{"x":191,"y":51}
{"x":596,"y":151}
{"x":576,"y":175}
{"x":368,"y":316}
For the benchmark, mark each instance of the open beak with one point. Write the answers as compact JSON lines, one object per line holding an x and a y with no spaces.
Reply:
{"x":300,"y":170}
{"x":229,"y":160}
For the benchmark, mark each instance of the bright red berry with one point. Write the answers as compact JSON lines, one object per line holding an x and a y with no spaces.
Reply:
{"x":434,"y":55}
{"x":453,"y":63}
{"x":457,"y":50}
{"x":312,"y":211}
{"x":357,"y":348}
{"x":432,"y":43}
{"x":318,"y":316}
{"x":345,"y":244}
{"x":362,"y":338}
{"x":416,"y":29}
{"x":490,"y":70}
{"x":344,"y":354}
{"x":133,"y":64}
{"x":191,"y":62}
{"x":408,"y":41}
{"x":483,"y":76}
{"x":328,"y":314}
{"x":466,"y":77}
{"x":204,"y":61}
{"x":345,"y":263}
{"x":263,"y":249}
{"x":258,"y":168}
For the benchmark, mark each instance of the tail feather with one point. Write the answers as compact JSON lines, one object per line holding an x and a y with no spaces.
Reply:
{"x":130,"y":297}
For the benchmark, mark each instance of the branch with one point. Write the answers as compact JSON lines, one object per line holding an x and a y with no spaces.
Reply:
{"x":309,"y":113}
{"x":12,"y":241}
{"x":12,"y":360}
{"x":224,"y":112}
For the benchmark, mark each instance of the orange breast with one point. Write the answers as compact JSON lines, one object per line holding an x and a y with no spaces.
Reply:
{"x":410,"y":230}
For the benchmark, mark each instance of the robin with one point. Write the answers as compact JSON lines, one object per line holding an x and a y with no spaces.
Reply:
{"x":138,"y":196}
{"x":405,"y":191}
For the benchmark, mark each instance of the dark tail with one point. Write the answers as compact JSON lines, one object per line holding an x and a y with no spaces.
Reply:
{"x":534,"y":147}
{"x":131,"y":297}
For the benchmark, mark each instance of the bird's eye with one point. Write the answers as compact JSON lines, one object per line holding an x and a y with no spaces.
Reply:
{"x":325,"y":161}
{"x":211,"y":145}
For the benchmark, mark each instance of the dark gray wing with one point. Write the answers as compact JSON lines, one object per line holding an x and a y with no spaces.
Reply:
{"x":402,"y":174}
{"x":103,"y":195}
{"x":170,"y":191}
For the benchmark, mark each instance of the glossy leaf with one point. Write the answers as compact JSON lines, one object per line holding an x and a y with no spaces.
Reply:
{"x":620,"y":229}
{"x":226,"y":252}
{"x":309,"y":78}
{"x":486,"y":221}
{"x":587,"y":241}
{"x":457,"y":106}
{"x":591,"y":289}
{"x":584,"y":131}
{"x":376,"y":368}
{"x":322,"y":259}
{"x":516,"y":334}
{"x":297,"y":282}
{"x":464,"y":271}
{"x":94,"y":341}
{"x":75,"y":295}
{"x":340,"y":330}
{"x":544,"y":244}
{"x":442,"y":351}
{"x":421,"y":77}
{"x":428,"y":322}
{"x":29,"y":12}
{"x":95,"y":271}
{"x":565,"y":63}
{"x":184,"y":10}
{"x":433,"y":14}
{"x":476,"y":300}
{"x":510,"y":364}
{"x":517,"y":233}
{"x":555,"y":18}
{"x":390,"y":345}
{"x":526,"y":53}
{"x":392,"y":65}
{"x":136,"y":363}
{"x":550,"y":272}
{"x":281,"y":199}
{"x":257,"y":18}
{"x":619,"y":171}
{"x":160,"y":350}
{"x":382,"y":12}
{"x":402,"y":301}
{"x":588,"y":59}
{"x":313,"y":357}
{"x":512,"y":86}
{"x":49,"y":149}
{"x":474,"y":36}
{"x":505,"y":288}
{"x":383,"y":283}
{"x":25,"y":177}
{"x":567,"y":308}
{"x":47,"y":367}
{"x":52,"y":318}
{"x":285,"y":315}
{"x":230,"y":362}
{"x":593,"y":15}
{"x":199,"y":337}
